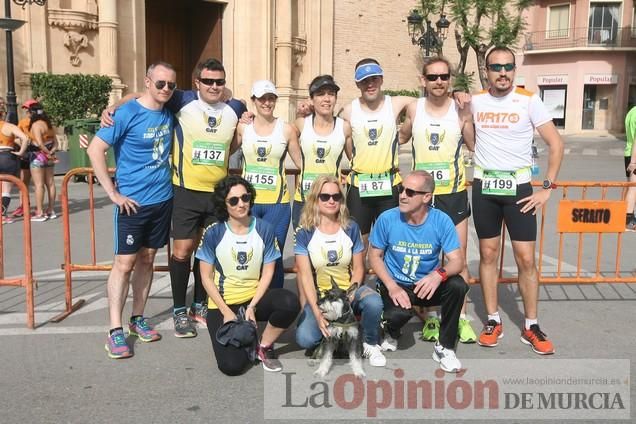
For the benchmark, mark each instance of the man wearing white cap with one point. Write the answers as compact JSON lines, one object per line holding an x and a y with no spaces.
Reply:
{"x":372,"y":183}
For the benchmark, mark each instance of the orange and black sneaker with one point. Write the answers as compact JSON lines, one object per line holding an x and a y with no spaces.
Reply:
{"x":538,"y":340}
{"x":491,"y":334}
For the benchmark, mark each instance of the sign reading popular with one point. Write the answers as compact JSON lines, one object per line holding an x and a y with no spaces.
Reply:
{"x":591,"y":216}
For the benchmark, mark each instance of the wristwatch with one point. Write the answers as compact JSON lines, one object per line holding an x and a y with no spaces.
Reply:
{"x":548,"y":185}
{"x":441,"y":271}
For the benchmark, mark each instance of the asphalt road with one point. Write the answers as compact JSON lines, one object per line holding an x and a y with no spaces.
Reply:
{"x":59,"y":373}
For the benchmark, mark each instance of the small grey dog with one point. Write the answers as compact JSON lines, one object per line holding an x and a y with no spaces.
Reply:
{"x":343,"y":329}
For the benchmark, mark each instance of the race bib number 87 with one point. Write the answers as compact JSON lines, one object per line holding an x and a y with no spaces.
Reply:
{"x":374,"y":185}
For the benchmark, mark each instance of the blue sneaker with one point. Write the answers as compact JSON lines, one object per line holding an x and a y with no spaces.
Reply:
{"x":140,"y":328}
{"x":116,"y":346}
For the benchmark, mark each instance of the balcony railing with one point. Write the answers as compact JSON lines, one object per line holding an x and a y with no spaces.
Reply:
{"x":570,"y":38}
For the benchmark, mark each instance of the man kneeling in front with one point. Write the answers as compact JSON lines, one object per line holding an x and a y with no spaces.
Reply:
{"x":405,"y":246}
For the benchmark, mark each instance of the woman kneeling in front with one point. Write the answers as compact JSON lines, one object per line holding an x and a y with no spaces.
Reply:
{"x":237,"y":256}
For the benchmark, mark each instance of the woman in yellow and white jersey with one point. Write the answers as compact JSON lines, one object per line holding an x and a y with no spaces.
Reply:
{"x":265,"y":143}
{"x":322,"y":139}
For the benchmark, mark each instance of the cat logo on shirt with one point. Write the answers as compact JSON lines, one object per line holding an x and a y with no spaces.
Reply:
{"x":242,"y":258}
{"x":262,"y":151}
{"x":332,"y":256}
{"x":213,"y":123}
{"x":435,"y":139}
{"x":321,"y":152}
{"x":373,"y":134}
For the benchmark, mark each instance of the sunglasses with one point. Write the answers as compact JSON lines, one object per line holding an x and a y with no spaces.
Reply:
{"x":233,"y":201}
{"x":409,"y":191}
{"x":497,"y":67}
{"x":159,"y":85}
{"x":211,"y":81}
{"x":324,"y":197}
{"x":433,"y":77}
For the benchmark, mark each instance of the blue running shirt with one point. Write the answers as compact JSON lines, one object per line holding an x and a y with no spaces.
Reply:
{"x":142,"y":140}
{"x":412,"y":251}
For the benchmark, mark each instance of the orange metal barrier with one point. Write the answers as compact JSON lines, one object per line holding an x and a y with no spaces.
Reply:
{"x":25,"y":280}
{"x":555,"y":273}
{"x":589,"y":268}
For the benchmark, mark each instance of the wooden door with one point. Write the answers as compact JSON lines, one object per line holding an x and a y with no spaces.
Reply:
{"x":183,"y":33}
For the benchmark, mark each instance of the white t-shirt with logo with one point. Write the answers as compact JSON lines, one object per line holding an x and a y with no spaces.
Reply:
{"x":504,"y":128}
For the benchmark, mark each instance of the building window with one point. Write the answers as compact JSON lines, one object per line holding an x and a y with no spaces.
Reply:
{"x":558,"y":21}
{"x":604,"y":23}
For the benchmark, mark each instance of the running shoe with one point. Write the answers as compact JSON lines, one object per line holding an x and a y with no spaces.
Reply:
{"x":430,"y":332}
{"x":447,"y":359}
{"x":199,"y":313}
{"x":183,"y":326}
{"x":144,"y":331}
{"x":116,"y":345}
{"x":18,"y":212}
{"x":465,"y":332}
{"x":39,"y":218}
{"x":268,"y":358}
{"x":374,"y":354}
{"x":389,"y":344}
{"x":51,"y":215}
{"x":631,"y":225}
{"x":7,"y":220}
{"x":538,"y":340}
{"x":491,"y":334}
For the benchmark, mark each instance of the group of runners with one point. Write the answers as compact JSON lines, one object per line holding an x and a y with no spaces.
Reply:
{"x":172,"y":148}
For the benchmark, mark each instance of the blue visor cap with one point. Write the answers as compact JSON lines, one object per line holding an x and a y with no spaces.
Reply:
{"x":368,"y":70}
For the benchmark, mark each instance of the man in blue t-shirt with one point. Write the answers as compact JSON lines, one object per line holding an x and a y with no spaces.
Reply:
{"x":141,"y":138}
{"x":404,"y":250}
{"x":203,"y":140}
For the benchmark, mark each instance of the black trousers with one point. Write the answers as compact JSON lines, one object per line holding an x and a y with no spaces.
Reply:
{"x":279,"y":307}
{"x":450,"y":295}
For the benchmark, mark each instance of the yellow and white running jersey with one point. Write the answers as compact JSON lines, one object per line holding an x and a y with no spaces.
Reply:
{"x":437,"y":146}
{"x":237,"y":258}
{"x":202,"y":137}
{"x":375,"y":143}
{"x":320,"y":154}
{"x":264,"y":163}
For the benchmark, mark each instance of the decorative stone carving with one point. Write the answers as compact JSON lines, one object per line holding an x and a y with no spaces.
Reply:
{"x":299,"y":48}
{"x":74,"y":23}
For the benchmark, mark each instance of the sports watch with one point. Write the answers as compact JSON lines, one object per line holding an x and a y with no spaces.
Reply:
{"x":548,"y":185}
{"x":441,"y":271}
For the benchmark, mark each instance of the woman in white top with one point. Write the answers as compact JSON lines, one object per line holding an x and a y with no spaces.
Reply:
{"x":265,"y":143}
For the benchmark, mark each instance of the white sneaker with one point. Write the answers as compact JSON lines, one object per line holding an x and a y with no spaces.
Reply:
{"x":374,"y":353}
{"x":389,"y":344}
{"x":446,"y":358}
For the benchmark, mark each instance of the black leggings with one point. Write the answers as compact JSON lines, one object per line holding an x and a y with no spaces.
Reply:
{"x":450,"y":295}
{"x":279,"y":307}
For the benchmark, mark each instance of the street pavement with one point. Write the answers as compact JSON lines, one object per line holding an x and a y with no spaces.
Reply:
{"x":59,"y":372}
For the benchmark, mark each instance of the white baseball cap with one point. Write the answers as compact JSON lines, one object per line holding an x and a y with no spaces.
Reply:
{"x":262,"y":87}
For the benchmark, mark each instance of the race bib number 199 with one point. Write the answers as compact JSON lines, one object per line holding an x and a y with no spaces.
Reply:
{"x":499,"y":183}
{"x":374,"y":185}
{"x":262,"y":177}
{"x":206,"y":153}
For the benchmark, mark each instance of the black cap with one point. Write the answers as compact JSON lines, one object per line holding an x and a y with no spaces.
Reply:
{"x":321,"y":82}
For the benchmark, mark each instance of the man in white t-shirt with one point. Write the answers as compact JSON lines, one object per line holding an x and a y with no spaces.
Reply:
{"x":505,"y":119}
